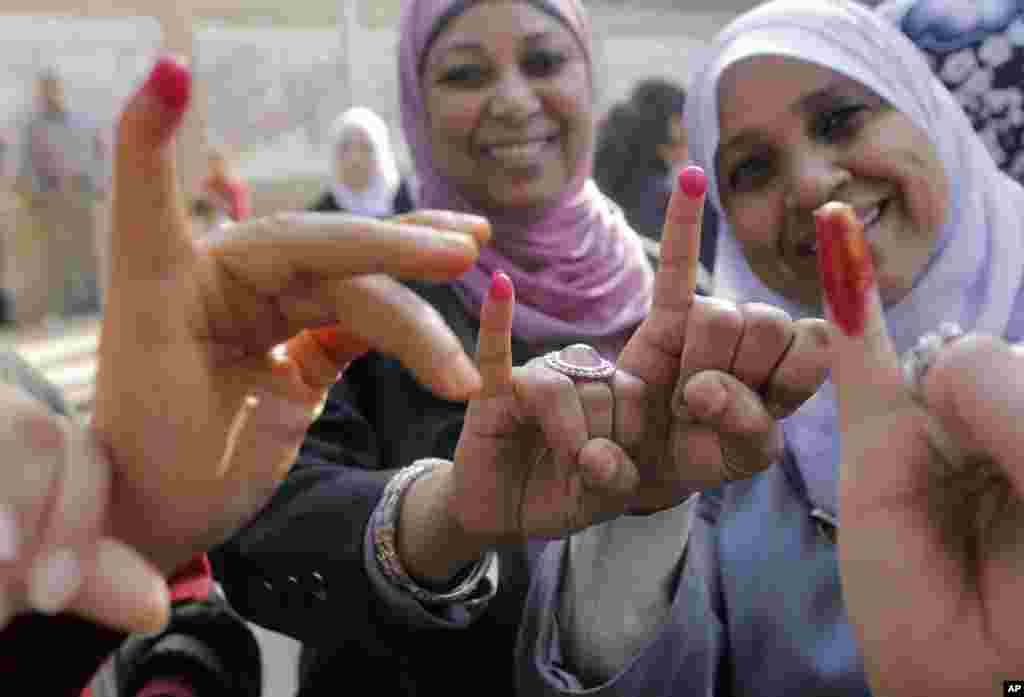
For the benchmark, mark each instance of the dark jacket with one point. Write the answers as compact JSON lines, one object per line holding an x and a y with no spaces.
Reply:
{"x":403,"y":201}
{"x":298,"y":568}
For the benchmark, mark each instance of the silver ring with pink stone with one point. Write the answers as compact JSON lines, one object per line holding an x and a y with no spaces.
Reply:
{"x":581,"y":362}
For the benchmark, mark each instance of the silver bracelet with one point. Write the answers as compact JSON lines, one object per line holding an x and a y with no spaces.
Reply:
{"x":385,"y":521}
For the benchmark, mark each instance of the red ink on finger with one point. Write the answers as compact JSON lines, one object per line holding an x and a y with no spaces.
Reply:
{"x":170,"y":81}
{"x":501,"y":286}
{"x":844,"y":264}
{"x":693,"y":181}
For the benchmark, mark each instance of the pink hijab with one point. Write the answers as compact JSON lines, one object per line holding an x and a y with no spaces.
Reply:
{"x":580,"y":271}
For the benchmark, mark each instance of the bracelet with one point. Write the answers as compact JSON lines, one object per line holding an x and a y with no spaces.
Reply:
{"x":385,"y":521}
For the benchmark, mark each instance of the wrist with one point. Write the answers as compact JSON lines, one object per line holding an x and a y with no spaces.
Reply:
{"x":432,"y":543}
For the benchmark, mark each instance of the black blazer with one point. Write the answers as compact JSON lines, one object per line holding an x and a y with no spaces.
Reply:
{"x":298,"y":567}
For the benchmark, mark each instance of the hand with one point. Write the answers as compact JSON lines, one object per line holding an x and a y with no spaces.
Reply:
{"x":54,"y":505}
{"x":931,"y":548}
{"x":702,"y":382}
{"x":198,"y":411}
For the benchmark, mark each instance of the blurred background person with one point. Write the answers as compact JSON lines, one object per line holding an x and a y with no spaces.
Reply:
{"x":641,"y":145}
{"x":365,"y":177}
{"x":62,"y":181}
{"x":976,"y":49}
{"x":225,"y":192}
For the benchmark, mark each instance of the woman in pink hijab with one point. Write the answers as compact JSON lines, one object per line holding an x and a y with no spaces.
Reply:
{"x":497,"y":106}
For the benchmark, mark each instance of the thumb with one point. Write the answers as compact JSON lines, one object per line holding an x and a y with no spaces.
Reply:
{"x":150,"y":230}
{"x":865,"y":367}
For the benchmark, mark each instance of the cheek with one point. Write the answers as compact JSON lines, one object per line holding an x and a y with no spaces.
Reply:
{"x":456,"y":117}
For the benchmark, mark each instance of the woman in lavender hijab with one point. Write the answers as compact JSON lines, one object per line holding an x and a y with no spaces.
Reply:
{"x":802,"y":102}
{"x":375,"y":570}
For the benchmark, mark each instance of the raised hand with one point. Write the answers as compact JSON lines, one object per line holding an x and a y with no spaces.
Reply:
{"x":931,"y":481}
{"x":54,"y":551}
{"x":214,"y":358}
{"x":702,"y":382}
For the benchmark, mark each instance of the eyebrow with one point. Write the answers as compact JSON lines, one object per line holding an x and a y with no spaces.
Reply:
{"x":471,"y":45}
{"x":808,"y":103}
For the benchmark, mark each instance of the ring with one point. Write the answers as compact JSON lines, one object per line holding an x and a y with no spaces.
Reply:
{"x":917,"y":361}
{"x":580,"y":361}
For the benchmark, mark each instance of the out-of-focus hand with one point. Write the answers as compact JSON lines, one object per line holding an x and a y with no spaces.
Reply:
{"x":931,"y":482}
{"x":54,"y":507}
{"x":198,"y":406}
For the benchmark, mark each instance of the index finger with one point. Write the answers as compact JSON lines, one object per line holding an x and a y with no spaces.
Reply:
{"x":654,"y":351}
{"x":494,"y":342}
{"x":865,"y":368}
{"x":269,"y":253}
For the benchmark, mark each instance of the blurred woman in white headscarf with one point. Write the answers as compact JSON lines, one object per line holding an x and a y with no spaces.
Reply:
{"x":365,"y":178}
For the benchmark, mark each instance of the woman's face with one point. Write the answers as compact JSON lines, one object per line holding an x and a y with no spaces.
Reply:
{"x":509,"y":102}
{"x":356,"y":160}
{"x":795,"y":136}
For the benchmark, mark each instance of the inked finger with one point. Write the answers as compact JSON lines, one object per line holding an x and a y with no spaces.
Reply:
{"x":149,"y":223}
{"x":865,"y":369}
{"x":494,"y":341}
{"x":652,"y":353}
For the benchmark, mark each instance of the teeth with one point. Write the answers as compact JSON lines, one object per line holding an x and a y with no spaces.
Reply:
{"x":513,"y":154}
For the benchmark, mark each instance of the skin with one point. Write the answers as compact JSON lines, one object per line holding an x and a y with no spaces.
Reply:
{"x":356,"y":160}
{"x":504,"y":72}
{"x":201,"y":406}
{"x":694,"y":401}
{"x":794,"y":136}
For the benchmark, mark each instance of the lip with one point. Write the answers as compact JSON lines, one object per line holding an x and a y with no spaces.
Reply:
{"x":521,"y":142}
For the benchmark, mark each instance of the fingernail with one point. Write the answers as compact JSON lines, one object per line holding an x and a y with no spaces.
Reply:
{"x":9,"y":537}
{"x":459,"y":241}
{"x":844,"y":265}
{"x":54,"y":580}
{"x":501,"y":286}
{"x":170,"y":82}
{"x":693,"y":181}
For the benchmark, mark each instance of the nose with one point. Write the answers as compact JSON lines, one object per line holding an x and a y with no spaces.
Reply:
{"x":514,"y":98}
{"x":813,"y":181}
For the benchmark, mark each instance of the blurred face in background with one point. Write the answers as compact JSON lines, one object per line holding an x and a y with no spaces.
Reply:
{"x":51,"y":92}
{"x":508,"y":94}
{"x":356,"y":160}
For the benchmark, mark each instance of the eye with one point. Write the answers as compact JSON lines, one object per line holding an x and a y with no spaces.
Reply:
{"x":543,"y":63}
{"x":836,"y":125}
{"x":750,"y":173}
{"x":464,"y":75}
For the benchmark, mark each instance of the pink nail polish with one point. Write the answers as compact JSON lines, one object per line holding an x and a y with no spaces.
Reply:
{"x":501,"y":286}
{"x":170,"y":82}
{"x":693,"y":181}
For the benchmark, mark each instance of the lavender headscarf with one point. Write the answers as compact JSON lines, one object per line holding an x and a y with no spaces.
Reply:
{"x":580,"y":272}
{"x":975,"y":273}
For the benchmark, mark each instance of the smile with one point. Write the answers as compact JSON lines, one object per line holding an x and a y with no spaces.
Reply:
{"x":519,"y":154}
{"x":868,"y":217}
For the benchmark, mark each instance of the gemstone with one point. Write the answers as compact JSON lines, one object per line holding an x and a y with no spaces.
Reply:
{"x":581,"y":355}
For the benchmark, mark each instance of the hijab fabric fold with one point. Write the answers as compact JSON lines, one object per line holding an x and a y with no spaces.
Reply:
{"x":579,"y":270}
{"x":974,"y":274}
{"x":378,"y":198}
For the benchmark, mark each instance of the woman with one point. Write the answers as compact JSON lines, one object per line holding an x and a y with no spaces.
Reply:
{"x":799,"y":103}
{"x":365,"y":176}
{"x":497,"y":105}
